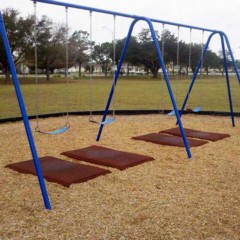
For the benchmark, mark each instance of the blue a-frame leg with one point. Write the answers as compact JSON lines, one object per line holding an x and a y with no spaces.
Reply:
{"x":222,"y":37}
{"x":24,"y":113}
{"x":164,"y":73}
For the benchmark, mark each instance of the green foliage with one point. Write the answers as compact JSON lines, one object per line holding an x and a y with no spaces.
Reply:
{"x":132,"y":53}
{"x":20,"y":36}
{"x":102,"y":55}
{"x":51,"y":45}
{"x":78,"y":48}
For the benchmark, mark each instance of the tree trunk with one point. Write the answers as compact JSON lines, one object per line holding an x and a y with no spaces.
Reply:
{"x":47,"y":73}
{"x":106,"y":68}
{"x":7,"y":75}
{"x":193,"y":69}
{"x":80,"y":69}
{"x":155,"y":74}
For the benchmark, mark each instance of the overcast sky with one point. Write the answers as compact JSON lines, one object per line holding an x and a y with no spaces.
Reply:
{"x":213,"y":14}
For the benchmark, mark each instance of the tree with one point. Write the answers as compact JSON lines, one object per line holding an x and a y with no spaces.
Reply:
{"x":170,"y":48}
{"x":148,"y":53}
{"x":89,"y":69}
{"x":132,"y":54}
{"x":210,"y":60}
{"x":195,"y":56}
{"x":102,"y":55}
{"x":78,"y":47}
{"x":183,"y":56}
{"x":221,"y":60}
{"x":51,"y":46}
{"x":20,"y":36}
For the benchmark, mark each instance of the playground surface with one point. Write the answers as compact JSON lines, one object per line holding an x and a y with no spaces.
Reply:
{"x":171,"y":197}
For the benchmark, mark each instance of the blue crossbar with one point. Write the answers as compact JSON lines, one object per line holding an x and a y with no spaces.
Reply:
{"x":70,"y":5}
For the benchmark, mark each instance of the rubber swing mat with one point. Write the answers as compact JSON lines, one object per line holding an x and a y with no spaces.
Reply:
{"x":107,"y":157}
{"x":60,"y":171}
{"x":169,"y":140}
{"x":196,"y":134}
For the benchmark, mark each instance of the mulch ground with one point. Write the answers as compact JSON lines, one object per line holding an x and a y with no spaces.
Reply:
{"x":172,"y":197}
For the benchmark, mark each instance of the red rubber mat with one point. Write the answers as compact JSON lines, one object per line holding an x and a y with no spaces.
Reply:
{"x":169,"y":140}
{"x":107,"y":157}
{"x":60,"y":171}
{"x":196,"y":134}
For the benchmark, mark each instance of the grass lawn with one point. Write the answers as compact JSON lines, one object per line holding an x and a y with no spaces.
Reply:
{"x":131,"y":93}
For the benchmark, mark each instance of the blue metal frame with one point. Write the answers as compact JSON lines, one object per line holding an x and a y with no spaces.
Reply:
{"x":164,"y":73}
{"x":223,"y":37}
{"x":70,"y":5}
{"x":24,"y":114}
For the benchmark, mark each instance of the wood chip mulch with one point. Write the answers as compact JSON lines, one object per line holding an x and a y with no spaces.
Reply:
{"x":172,"y":197}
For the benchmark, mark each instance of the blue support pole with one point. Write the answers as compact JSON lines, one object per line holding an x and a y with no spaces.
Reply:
{"x":98,"y":10}
{"x":196,"y":73}
{"x":227,"y":79}
{"x":222,"y":36}
{"x":231,"y":54}
{"x":24,"y":114}
{"x":165,"y":77}
{"x":116,"y":78}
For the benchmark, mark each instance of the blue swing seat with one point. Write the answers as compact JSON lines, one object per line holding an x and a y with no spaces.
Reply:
{"x":197,"y":109}
{"x":172,"y":113}
{"x":56,"y":131}
{"x":107,"y":121}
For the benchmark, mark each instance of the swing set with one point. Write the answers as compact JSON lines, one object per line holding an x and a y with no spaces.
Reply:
{"x":104,"y":121}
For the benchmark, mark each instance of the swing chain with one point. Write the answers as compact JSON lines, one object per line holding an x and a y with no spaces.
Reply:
{"x":90,"y":69}
{"x":201,"y":69}
{"x":36,"y":67}
{"x":177,"y":75}
{"x":202,"y":48}
{"x":114,"y":59}
{"x":67,"y":124}
{"x":66,"y":68}
{"x":190,"y":51}
{"x":91,"y":118}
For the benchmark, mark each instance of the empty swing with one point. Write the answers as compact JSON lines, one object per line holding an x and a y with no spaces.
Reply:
{"x":91,"y":117}
{"x":67,"y":124}
{"x":172,"y":113}
{"x":199,"y":107}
